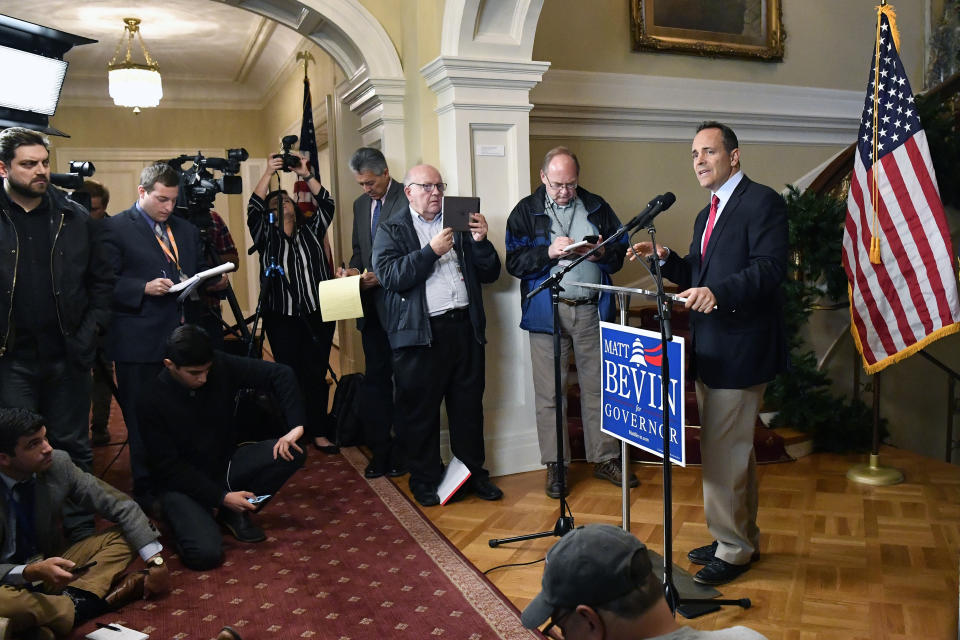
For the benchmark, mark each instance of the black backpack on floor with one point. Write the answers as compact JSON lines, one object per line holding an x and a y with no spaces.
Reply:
{"x":346,"y":410}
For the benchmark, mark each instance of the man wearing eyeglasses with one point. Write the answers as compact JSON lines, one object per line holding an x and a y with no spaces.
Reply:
{"x":539,"y":231}
{"x":434,"y":318}
{"x":598,"y":584}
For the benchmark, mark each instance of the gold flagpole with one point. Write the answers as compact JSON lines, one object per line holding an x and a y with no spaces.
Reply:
{"x":872,"y":473}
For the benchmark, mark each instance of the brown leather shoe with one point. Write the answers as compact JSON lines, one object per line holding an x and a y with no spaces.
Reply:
{"x":126,"y":590}
{"x":228,"y":633}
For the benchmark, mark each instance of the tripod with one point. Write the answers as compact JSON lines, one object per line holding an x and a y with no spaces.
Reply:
{"x":564,"y":522}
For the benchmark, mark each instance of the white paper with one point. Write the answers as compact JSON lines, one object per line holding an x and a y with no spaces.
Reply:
{"x":124,"y":633}
{"x":575,"y":245}
{"x":453,"y":478}
{"x":190,"y":283}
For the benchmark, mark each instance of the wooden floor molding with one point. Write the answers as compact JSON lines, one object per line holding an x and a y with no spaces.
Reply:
{"x":838,"y":559}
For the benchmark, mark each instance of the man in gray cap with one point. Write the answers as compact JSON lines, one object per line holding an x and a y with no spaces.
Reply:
{"x":598,"y":584}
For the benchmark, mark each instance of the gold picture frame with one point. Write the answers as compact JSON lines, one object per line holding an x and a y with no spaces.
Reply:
{"x":717,"y":28}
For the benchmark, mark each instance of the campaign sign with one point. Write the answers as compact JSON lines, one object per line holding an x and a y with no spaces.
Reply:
{"x":632,"y":389}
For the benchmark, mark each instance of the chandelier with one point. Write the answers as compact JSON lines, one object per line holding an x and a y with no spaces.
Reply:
{"x":133,"y":84}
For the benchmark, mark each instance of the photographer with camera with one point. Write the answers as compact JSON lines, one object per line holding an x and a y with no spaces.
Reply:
{"x":56,"y":285}
{"x":292,"y":264}
{"x":150,"y":250}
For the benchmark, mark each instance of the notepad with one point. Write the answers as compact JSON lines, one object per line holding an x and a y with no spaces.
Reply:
{"x":454,"y":476}
{"x":116,"y":631}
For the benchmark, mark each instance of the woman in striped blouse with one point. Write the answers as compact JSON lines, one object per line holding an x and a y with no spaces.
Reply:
{"x":293,"y":258}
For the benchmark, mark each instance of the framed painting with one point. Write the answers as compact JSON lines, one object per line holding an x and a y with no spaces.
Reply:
{"x":718,"y":28}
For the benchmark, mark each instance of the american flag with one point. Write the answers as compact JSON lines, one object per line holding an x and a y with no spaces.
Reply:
{"x":903,"y":294}
{"x":302,"y":195}
{"x":308,"y":145}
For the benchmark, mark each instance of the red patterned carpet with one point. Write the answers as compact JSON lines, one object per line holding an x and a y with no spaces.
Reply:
{"x":345,"y":558}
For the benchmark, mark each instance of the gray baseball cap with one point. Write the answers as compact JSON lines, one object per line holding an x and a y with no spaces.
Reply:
{"x":591,"y":565}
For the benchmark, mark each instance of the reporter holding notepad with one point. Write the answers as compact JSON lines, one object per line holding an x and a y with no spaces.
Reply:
{"x":150,"y":250}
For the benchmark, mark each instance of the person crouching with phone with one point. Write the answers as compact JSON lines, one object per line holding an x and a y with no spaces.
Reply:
{"x":44,"y":582}
{"x":189,"y":425}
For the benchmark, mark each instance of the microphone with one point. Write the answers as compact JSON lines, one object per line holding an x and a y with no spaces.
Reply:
{"x":656,"y":206}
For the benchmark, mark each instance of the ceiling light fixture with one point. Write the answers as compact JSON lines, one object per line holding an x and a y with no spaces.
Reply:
{"x":134,"y":84}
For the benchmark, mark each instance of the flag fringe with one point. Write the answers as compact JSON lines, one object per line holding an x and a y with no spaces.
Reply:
{"x":891,"y":14}
{"x":903,"y":354}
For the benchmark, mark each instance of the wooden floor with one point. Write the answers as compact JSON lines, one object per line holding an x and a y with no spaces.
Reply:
{"x":839,"y":560}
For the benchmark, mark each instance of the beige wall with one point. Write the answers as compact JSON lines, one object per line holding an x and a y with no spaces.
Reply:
{"x":414,"y":27}
{"x":828,"y":44}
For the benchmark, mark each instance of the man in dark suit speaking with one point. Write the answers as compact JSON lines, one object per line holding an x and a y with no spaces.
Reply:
{"x":150,"y":250}
{"x":732,"y":277}
{"x":382,"y":196}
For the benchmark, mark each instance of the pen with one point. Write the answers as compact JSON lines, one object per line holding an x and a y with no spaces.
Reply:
{"x":108,"y":626}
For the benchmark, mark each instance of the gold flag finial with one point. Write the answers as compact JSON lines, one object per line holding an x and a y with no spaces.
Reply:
{"x":307,"y":58}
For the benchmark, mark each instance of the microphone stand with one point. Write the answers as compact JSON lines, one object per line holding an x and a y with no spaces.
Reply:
{"x":687,"y":607}
{"x":564,"y":523}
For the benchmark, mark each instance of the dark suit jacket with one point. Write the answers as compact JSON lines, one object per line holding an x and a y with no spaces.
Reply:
{"x":142,"y":323}
{"x":65,"y":480}
{"x":362,"y":258}
{"x":741,"y":343}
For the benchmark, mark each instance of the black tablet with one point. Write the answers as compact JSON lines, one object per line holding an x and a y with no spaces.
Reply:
{"x":457,"y":210}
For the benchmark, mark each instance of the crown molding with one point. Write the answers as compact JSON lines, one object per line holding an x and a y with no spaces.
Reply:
{"x":614,"y":106}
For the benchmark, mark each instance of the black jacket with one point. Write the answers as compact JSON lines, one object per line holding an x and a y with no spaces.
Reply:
{"x":403,"y":267}
{"x":190,"y":435}
{"x":82,"y":278}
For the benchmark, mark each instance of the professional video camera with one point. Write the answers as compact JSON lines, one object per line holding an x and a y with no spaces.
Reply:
{"x":198,"y":187}
{"x":74,"y":179}
{"x":290,"y":160}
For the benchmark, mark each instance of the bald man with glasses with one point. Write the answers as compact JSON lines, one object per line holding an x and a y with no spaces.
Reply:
{"x":539,"y":231}
{"x":431,"y":277}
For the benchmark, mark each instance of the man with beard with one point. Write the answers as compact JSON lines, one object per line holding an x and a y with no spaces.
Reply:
{"x":55,"y":300}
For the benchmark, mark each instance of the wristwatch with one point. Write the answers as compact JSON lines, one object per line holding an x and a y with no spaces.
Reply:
{"x":155,"y":561}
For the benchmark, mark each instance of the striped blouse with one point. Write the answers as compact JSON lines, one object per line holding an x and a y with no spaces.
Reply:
{"x":301,"y":256}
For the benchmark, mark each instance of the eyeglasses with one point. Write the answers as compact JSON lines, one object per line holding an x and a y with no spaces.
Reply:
{"x":560,"y":186}
{"x":554,"y":630}
{"x":428,"y":187}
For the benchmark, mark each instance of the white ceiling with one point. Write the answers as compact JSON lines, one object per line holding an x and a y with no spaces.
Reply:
{"x":210,"y":54}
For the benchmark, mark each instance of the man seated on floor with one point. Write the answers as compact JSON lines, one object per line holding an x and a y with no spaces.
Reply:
{"x":189,"y":426}
{"x":598,"y":584}
{"x":40,"y":586}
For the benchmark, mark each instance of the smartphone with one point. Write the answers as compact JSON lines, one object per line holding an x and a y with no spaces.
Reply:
{"x":591,"y":239}
{"x":258,"y":499}
{"x":81,"y":568}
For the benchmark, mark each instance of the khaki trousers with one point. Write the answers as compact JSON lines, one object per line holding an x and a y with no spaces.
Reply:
{"x":27,"y":609}
{"x":580,"y":331}
{"x":728,"y":418}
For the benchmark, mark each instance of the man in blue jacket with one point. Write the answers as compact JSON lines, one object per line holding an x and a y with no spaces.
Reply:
{"x":431,"y":278}
{"x":539,"y":230}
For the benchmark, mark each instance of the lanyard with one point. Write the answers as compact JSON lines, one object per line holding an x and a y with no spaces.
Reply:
{"x":553,"y":209}
{"x":173,"y":257}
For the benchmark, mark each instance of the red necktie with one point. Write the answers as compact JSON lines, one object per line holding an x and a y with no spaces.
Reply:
{"x":714,"y":203}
